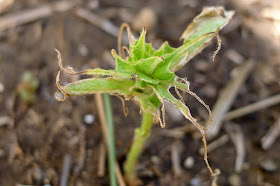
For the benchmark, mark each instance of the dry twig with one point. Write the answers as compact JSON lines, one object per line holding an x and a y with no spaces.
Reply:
{"x":227,"y":97}
{"x":97,"y":21}
{"x":271,"y":135}
{"x":174,"y":133}
{"x":102,"y":117}
{"x":27,"y":16}
{"x":14,"y":148}
{"x":101,"y":160}
{"x":268,"y":102}
{"x":176,"y":150}
{"x":80,"y":160}
{"x":65,"y":170}
{"x":215,"y":144}
{"x":237,"y":138}
{"x":103,"y":24}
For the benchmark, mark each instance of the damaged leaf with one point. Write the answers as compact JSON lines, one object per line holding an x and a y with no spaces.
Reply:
{"x":147,"y":74}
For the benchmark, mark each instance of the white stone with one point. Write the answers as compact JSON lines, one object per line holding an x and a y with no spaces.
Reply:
{"x":189,"y":162}
{"x":89,"y":119}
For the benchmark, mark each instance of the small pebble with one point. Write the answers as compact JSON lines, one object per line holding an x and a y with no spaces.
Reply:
{"x":209,"y":90}
{"x":49,"y":175}
{"x":4,"y":120}
{"x":195,"y":182}
{"x":58,"y":95}
{"x":234,"y":56}
{"x":1,"y":88}
{"x":155,"y":160}
{"x":200,"y":79}
{"x":268,"y":165}
{"x":94,"y":4}
{"x":189,"y":162}
{"x":89,"y":119}
{"x":5,"y":5}
{"x":83,"y":50}
{"x":173,"y":112}
{"x":234,"y":180}
{"x":201,"y":65}
{"x":37,"y":174}
{"x":146,"y":18}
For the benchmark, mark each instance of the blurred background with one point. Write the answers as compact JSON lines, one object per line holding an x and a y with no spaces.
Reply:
{"x":38,"y":134}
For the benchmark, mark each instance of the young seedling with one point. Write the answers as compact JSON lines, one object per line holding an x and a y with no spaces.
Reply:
{"x":27,"y":87}
{"x":147,"y":74}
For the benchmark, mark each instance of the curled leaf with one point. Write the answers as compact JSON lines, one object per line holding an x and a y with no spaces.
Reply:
{"x":207,"y":24}
{"x":211,"y":19}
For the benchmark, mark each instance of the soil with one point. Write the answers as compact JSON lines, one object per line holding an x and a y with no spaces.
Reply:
{"x":40,"y":135}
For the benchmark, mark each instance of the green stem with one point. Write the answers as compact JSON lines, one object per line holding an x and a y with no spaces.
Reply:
{"x":141,"y":135}
{"x":111,"y":145}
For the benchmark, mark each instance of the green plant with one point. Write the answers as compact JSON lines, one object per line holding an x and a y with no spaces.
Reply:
{"x":28,"y":87}
{"x":147,"y":74}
